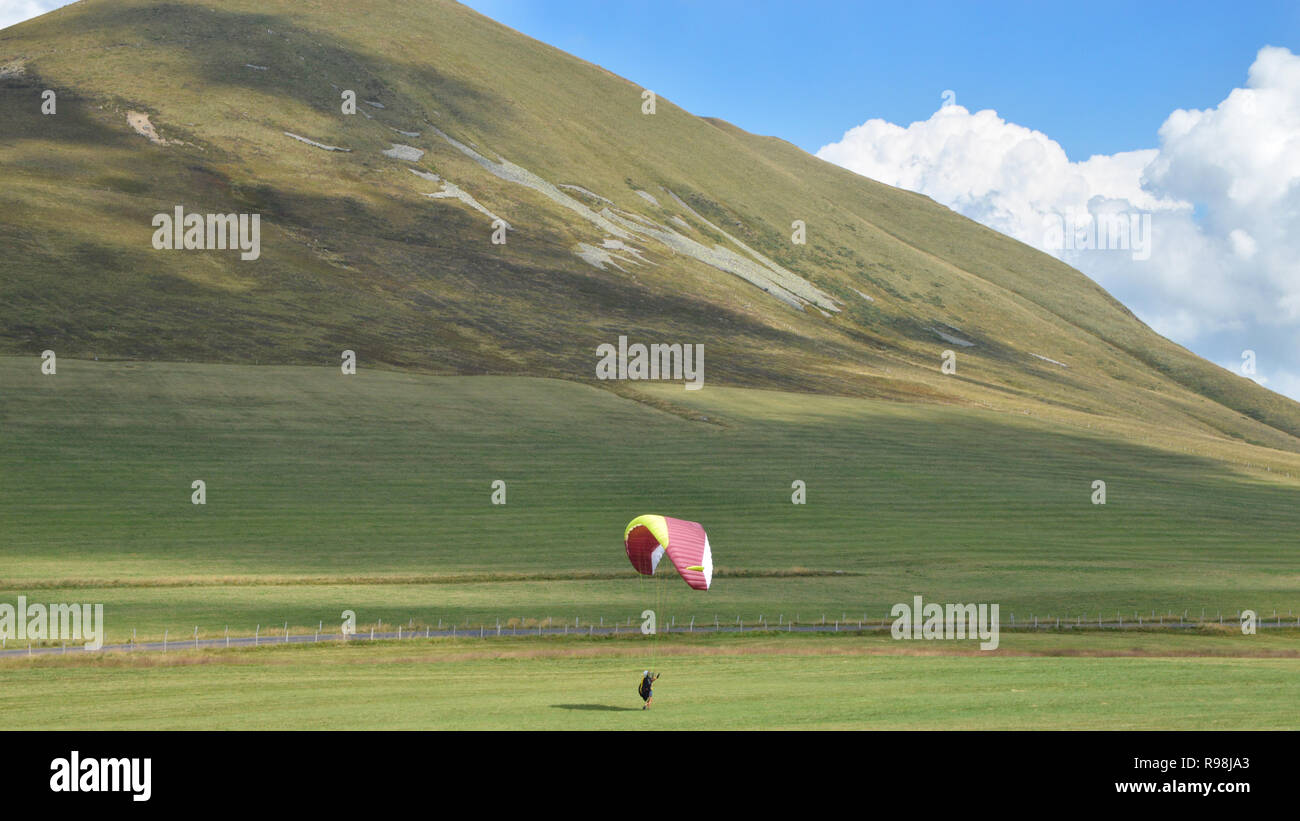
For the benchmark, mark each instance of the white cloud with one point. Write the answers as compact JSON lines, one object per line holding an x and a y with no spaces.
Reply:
{"x":1222,"y":191}
{"x":16,"y":11}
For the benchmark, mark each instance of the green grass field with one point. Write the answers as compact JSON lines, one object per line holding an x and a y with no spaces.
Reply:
{"x":372,"y":493}
{"x":1036,"y":681}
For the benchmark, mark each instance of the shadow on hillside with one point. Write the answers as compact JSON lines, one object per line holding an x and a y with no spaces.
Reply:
{"x":20,"y":100}
{"x":300,"y":62}
{"x":604,"y":707}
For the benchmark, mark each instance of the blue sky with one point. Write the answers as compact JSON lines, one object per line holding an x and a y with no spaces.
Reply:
{"x":1098,"y":77}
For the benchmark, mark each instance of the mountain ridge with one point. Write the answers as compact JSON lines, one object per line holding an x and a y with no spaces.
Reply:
{"x":361,"y":253}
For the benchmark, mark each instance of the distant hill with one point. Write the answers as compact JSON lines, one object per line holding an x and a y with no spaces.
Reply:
{"x":664,"y":227}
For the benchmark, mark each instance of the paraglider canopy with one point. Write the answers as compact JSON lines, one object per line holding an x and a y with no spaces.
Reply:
{"x":649,"y":538}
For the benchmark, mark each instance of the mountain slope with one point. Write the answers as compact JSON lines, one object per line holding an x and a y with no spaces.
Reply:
{"x":664,"y":228}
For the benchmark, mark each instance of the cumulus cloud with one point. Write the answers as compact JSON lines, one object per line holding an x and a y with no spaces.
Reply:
{"x":16,"y":11}
{"x":1220,"y":196}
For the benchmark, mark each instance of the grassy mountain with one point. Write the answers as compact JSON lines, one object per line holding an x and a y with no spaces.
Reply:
{"x":666,"y":227}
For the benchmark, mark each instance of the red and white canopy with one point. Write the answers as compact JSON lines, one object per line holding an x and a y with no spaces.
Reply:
{"x":648,"y":538}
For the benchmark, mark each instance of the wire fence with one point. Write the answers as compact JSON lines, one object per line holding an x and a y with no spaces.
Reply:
{"x":284,"y":633}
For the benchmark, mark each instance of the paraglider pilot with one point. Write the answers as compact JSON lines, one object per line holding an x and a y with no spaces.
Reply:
{"x":647,"y":681}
